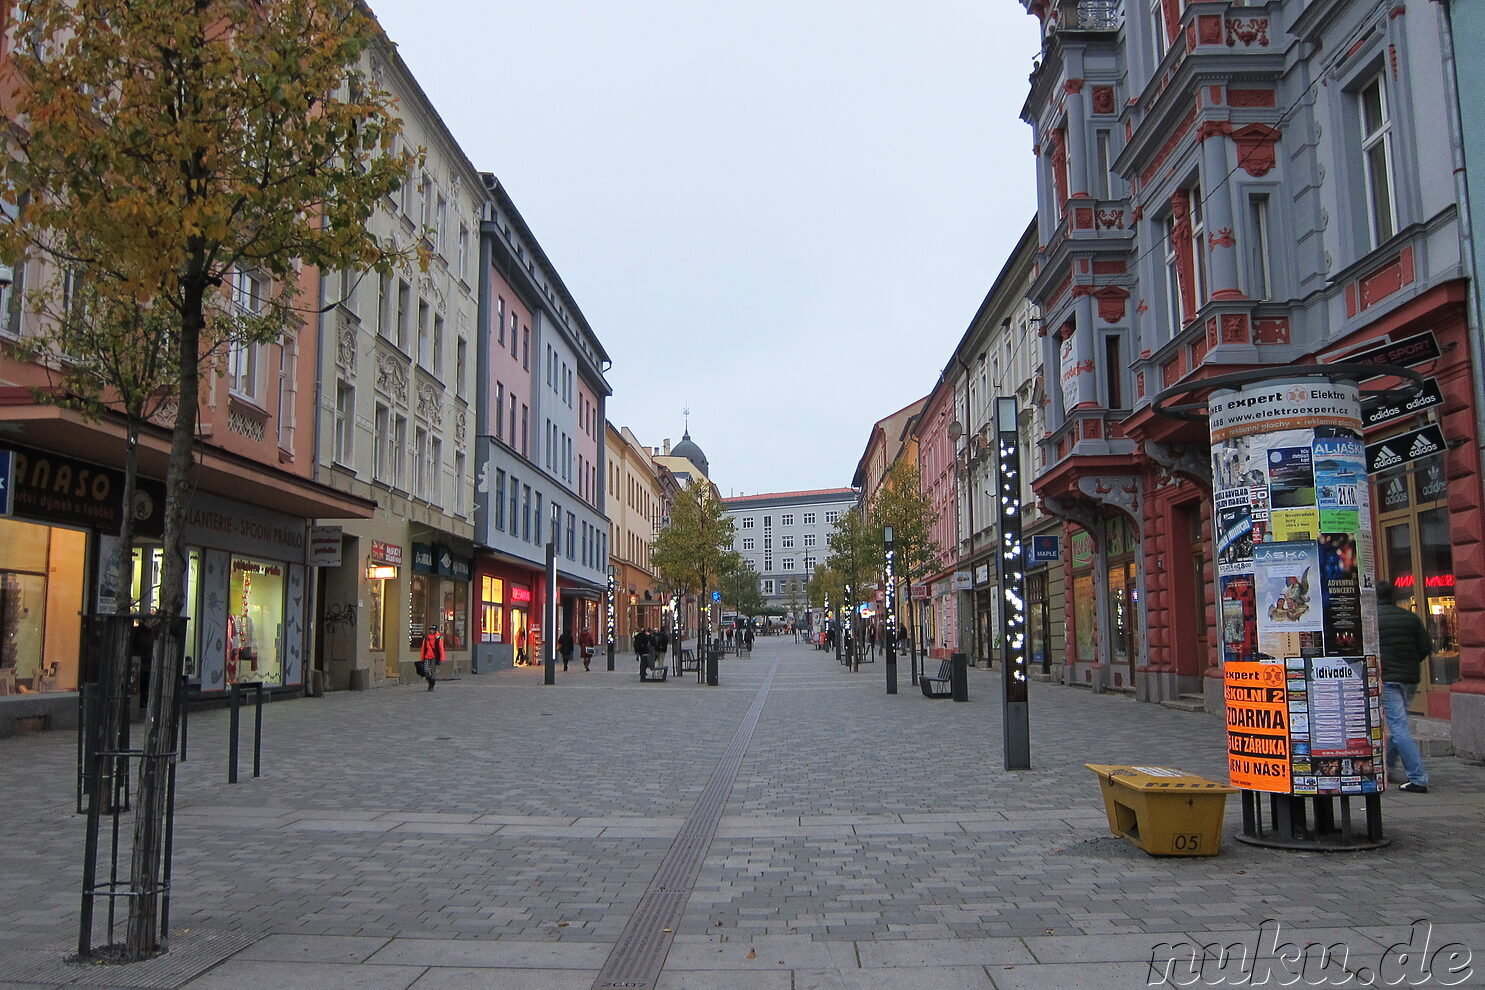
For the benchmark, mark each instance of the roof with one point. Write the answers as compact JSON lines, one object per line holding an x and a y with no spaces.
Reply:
{"x":844,"y":493}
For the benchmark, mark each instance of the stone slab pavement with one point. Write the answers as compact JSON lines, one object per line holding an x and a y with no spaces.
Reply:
{"x":497,"y":833}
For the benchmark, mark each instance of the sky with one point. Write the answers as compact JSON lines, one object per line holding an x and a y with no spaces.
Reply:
{"x":778,"y":214}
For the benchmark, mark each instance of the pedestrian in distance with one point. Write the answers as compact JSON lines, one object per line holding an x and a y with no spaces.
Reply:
{"x":660,"y":641}
{"x":564,"y":648}
{"x":871,"y":640}
{"x":642,"y":646}
{"x":432,"y":656}
{"x":748,"y":637}
{"x":585,"y":644}
{"x":1405,"y":644}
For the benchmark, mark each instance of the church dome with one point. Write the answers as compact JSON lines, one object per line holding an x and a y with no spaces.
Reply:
{"x":687,"y":448}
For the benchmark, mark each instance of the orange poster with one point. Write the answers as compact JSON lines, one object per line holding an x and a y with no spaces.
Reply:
{"x":1257,"y":727}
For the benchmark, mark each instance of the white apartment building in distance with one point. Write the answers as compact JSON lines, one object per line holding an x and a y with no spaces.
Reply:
{"x":784,"y":535}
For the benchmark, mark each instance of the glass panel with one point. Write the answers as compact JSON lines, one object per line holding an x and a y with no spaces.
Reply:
{"x":418,"y":602}
{"x":376,"y":591}
{"x":1123,"y":616}
{"x":1432,"y":482}
{"x":1393,"y":492}
{"x":22,"y":631}
{"x":255,"y":622}
{"x":1085,"y":611}
{"x":1399,"y":550}
{"x":1438,"y":595}
{"x":1371,"y":107}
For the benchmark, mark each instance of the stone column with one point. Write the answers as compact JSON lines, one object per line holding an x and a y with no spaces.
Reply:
{"x":1221,"y":239}
{"x":1077,"y":142}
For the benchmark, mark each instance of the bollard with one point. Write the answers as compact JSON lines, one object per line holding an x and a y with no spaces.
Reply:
{"x":258,"y":731}
{"x":610,"y":655}
{"x":713,"y":656}
{"x":232,"y":736}
{"x":959,"y":674}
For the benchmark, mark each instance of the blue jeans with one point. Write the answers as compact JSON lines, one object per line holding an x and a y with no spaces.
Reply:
{"x":1400,"y":743}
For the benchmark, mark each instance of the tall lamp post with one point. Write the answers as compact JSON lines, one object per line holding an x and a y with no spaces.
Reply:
{"x":891,"y":624}
{"x":549,"y":676}
{"x":1014,"y":699}
{"x":608,"y":618}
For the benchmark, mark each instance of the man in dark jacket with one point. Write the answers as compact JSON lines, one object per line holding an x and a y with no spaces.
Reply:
{"x":1405,"y":644}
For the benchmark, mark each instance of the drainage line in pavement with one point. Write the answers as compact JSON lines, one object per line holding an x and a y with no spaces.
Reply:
{"x":639,"y":954}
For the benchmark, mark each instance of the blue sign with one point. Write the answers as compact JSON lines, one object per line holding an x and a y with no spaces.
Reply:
{"x":716,"y":596}
{"x":1046,"y":549}
{"x":7,"y":469}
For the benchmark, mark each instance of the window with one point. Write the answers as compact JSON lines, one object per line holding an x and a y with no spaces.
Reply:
{"x":513,"y":342}
{"x":768,"y":585}
{"x":832,"y":516}
{"x":1258,"y":252}
{"x":526,"y":348}
{"x":399,"y":451}
{"x":348,"y":280}
{"x":499,"y":500}
{"x":526,"y":512}
{"x":404,"y":312}
{"x":525,"y":432}
{"x":345,"y":422}
{"x":788,"y":542}
{"x":809,"y":518}
{"x":434,"y":471}
{"x":382,"y":456}
{"x":767,"y":521}
{"x":747,"y":522}
{"x":1157,"y":27}
{"x":788,"y":563}
{"x":1376,"y":156}
{"x":437,"y":344}
{"x":459,"y":505}
{"x":1172,"y":278}
{"x":513,"y":420}
{"x":1103,"y":178}
{"x":787,"y":519}
{"x":288,"y":390}
{"x":1198,"y":248}
{"x":242,"y":369}
{"x":425,"y":336}
{"x":767,"y":541}
{"x":384,"y":306}
{"x":551,"y":369}
{"x":809,"y":563}
{"x":571,"y":536}
{"x":463,"y":252}
{"x":440,"y":221}
{"x":499,"y":411}
{"x":425,"y":194}
{"x":809,"y":539}
{"x":538,"y":517}
{"x":500,"y":320}
{"x":1113,"y":372}
{"x":747,"y":543}
{"x":461,"y":365}
{"x":515,"y":506}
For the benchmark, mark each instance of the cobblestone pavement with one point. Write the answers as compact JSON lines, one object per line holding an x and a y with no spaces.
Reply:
{"x":498,"y":833}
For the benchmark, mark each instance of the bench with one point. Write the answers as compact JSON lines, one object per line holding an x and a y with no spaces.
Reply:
{"x":688,"y":661}
{"x":943,"y":680}
{"x":657,"y":672}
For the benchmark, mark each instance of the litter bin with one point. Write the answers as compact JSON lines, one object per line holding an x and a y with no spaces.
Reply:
{"x":1164,"y":811}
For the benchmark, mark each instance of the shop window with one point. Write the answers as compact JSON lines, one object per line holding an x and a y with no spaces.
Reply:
{"x":492,"y":610}
{"x":376,"y":614}
{"x":255,"y":619}
{"x":41,"y":586}
{"x":345,"y":422}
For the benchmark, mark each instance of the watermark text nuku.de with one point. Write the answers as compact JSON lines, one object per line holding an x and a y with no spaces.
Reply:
{"x":1274,"y":957}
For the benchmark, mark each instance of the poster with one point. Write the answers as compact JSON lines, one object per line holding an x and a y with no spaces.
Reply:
{"x":1340,"y":588}
{"x":1238,"y":615}
{"x":1286,"y":576}
{"x":1339,"y":723}
{"x":1258,"y":748}
{"x":1234,"y":530}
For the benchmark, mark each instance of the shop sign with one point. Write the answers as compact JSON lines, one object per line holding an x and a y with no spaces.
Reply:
{"x":324,"y":546}
{"x":387,"y":553}
{"x":1046,"y":549}
{"x":1080,"y":544}
{"x":1429,"y":397}
{"x":520,"y":594}
{"x":422,"y":559}
{"x":5,"y":475}
{"x":982,"y":574}
{"x":213,"y":521}
{"x":1408,"y":351}
{"x":919,"y":592}
{"x":453,"y":566}
{"x":964,"y":581}
{"x":56,"y":489}
{"x":1405,"y":449}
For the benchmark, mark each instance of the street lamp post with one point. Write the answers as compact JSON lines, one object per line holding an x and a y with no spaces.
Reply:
{"x":608,"y":617}
{"x":550,"y":646}
{"x":891,"y":624}
{"x":1015,"y":716}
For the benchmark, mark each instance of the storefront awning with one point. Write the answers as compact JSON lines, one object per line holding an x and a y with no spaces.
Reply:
{"x":221,"y":472}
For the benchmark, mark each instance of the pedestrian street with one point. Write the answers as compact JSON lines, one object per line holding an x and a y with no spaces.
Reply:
{"x":500,"y":833}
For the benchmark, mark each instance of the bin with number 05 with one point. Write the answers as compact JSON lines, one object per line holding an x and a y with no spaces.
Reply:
{"x":1164,"y":811}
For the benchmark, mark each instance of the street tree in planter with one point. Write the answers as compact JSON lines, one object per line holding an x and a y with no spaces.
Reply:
{"x":902,"y":504}
{"x":739,"y":585}
{"x":691,"y":551}
{"x":158,"y":149}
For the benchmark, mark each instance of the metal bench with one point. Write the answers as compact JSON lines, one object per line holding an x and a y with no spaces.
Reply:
{"x":688,"y":661}
{"x":655,"y":672}
{"x":941,"y":685}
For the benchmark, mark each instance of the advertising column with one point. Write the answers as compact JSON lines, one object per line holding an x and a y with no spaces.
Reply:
{"x":1295,"y":589}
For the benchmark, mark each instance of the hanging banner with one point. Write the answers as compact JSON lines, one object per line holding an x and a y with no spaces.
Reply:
{"x":1405,"y":448}
{"x":1296,"y":588}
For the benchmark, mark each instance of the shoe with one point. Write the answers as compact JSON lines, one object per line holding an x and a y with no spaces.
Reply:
{"x":430,"y":685}
{"x":1412,"y":788}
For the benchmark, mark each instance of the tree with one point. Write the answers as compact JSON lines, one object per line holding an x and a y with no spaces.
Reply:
{"x":160,"y":148}
{"x":902,"y":504}
{"x":739,"y":584}
{"x":690,"y":552}
{"x":855,"y":555}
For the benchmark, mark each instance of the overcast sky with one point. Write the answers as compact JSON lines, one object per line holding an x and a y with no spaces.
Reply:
{"x":781,"y":214}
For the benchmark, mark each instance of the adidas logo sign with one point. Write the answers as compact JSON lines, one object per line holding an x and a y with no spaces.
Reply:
{"x":1385,"y":458}
{"x":1422,"y":446}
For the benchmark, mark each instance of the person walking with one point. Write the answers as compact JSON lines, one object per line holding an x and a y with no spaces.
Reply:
{"x":564,"y":648}
{"x":432,"y":656}
{"x":871,"y":640}
{"x":642,"y":649}
{"x":585,"y":644}
{"x":661,"y":642}
{"x":1405,"y":644}
{"x":748,"y":637}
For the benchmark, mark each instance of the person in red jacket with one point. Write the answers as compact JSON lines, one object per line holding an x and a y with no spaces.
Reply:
{"x":432,"y":655}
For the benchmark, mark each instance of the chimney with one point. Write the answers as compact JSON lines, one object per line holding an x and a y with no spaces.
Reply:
{"x":667,"y":445}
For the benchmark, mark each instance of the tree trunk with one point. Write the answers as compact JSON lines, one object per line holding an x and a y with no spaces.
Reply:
{"x":147,"y":866}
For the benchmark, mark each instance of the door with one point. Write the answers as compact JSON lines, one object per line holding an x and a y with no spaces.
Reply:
{"x":1196,"y":592}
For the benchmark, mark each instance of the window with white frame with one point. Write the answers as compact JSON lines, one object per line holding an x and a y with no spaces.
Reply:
{"x":435,"y":471}
{"x":288,"y":390}
{"x":1103,"y":175}
{"x":1259,"y":276}
{"x":437,"y":344}
{"x":345,"y":421}
{"x":787,"y":519}
{"x":1172,"y":277}
{"x":832,"y":516}
{"x":747,"y":543}
{"x":809,"y":563}
{"x":747,"y":522}
{"x":500,"y":320}
{"x":1198,"y":246}
{"x":809,"y":518}
{"x":460,"y":506}
{"x":1376,"y":159}
{"x":404,"y":313}
{"x":788,"y":542}
{"x":399,"y":451}
{"x":440,"y":222}
{"x":788,"y":563}
{"x":384,"y":306}
{"x":425,"y":335}
{"x":420,"y":463}
{"x":463,"y":251}
{"x":1157,"y":28}
{"x":809,"y":539}
{"x":461,"y":366}
{"x":768,"y":586}
{"x":381,"y":468}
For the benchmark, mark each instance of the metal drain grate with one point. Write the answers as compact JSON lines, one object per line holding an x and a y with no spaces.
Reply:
{"x":191,"y":954}
{"x":639,"y":954}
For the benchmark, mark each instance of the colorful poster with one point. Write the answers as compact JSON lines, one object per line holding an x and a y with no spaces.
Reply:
{"x":1287,"y":578}
{"x":1291,"y":478}
{"x":1340,"y":589}
{"x":1339,"y":722}
{"x":1234,"y":530}
{"x":1258,"y":751}
{"x":1239,"y":618}
{"x":1339,"y":472}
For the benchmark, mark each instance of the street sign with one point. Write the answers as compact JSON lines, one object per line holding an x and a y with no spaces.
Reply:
{"x":7,"y":461}
{"x":1405,"y":448}
{"x":1408,"y":351}
{"x":1429,"y":397}
{"x":1046,"y":549}
{"x":716,"y":596}
{"x":919,"y":593}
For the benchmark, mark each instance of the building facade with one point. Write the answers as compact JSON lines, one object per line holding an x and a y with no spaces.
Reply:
{"x":636,"y":503}
{"x":783,"y":535}
{"x":396,"y":416}
{"x":539,"y":448}
{"x":1229,"y":186}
